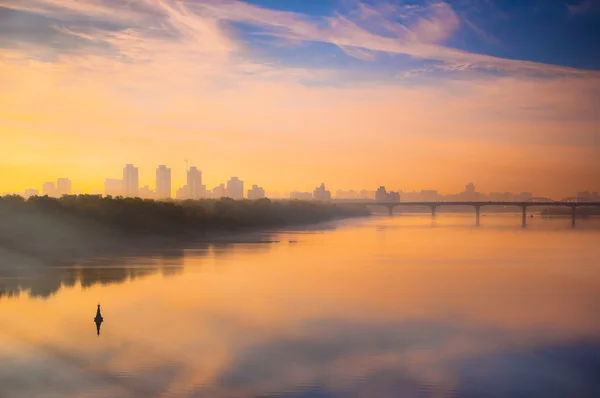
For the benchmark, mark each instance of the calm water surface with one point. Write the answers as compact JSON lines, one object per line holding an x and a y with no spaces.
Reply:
{"x":383,"y":307}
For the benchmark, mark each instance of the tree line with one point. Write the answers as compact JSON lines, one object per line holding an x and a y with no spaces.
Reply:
{"x":136,"y":215}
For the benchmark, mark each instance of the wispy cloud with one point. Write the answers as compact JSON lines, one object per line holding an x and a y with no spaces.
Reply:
{"x":167,"y":78}
{"x":136,"y":30}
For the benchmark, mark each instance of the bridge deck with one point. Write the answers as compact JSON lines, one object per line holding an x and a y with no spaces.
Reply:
{"x":475,"y":204}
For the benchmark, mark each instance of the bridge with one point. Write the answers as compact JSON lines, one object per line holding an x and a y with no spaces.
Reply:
{"x":478,"y":205}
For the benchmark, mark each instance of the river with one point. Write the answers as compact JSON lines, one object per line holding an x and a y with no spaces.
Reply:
{"x":377,"y":307}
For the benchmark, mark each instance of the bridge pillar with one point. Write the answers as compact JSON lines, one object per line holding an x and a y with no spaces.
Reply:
{"x":573,"y":213}
{"x":524,"y":221}
{"x":477,"y":214}
{"x":433,"y":211}
{"x":391,"y":210}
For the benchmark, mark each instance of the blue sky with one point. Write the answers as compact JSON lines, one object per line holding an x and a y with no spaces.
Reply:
{"x":546,"y":31}
{"x":460,"y":90}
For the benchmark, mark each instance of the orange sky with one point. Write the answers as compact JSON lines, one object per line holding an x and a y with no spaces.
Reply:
{"x":213,"y":99}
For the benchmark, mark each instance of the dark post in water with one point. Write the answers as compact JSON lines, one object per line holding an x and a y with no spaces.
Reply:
{"x":98,"y":320}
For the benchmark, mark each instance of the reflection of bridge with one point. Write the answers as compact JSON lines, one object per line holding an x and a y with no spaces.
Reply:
{"x":478,"y":205}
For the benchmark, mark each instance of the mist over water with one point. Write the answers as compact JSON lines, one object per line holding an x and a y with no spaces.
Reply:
{"x":378,"y":307}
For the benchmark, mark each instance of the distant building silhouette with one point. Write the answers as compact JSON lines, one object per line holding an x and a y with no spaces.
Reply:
{"x":194,"y":184}
{"x":30,"y":192}
{"x":219,"y":192}
{"x":321,"y":193}
{"x":301,"y":195}
{"x":470,"y":188}
{"x":430,"y":195}
{"x":501,"y":197}
{"x":369,"y":195}
{"x":113,"y":187}
{"x":470,"y":194}
{"x":524,"y":196}
{"x":182,"y":193}
{"x":256,"y":192}
{"x":163,"y":182}
{"x":49,"y":189}
{"x":146,"y":193}
{"x":351,"y":194}
{"x":381,"y":195}
{"x":63,"y":187}
{"x":587,"y":196}
{"x":131,"y":185}
{"x":235,"y":188}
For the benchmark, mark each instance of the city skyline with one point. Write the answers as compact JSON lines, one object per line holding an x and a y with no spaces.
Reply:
{"x":410,"y":94}
{"x":129,"y":186}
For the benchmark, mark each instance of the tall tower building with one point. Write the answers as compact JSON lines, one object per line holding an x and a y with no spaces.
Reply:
{"x":194,"y":184}
{"x":63,"y":186}
{"x":131,"y":184}
{"x":235,"y":188}
{"x":163,"y":182}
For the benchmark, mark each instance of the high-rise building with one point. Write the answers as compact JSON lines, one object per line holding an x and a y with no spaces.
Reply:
{"x":256,"y":192}
{"x":113,"y":187}
{"x":321,"y":193}
{"x":49,"y":189}
{"x":235,"y":188}
{"x":163,"y":182}
{"x":194,"y":184}
{"x":131,"y":182}
{"x":63,"y":186}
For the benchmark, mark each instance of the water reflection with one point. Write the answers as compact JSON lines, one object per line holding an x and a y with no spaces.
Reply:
{"x":22,"y":272}
{"x":377,"y":308}
{"x":42,"y":280}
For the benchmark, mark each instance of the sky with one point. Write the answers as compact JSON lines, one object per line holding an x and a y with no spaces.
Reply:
{"x":287,"y":94}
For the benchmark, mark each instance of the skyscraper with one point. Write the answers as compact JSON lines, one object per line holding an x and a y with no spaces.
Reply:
{"x":63,"y":186}
{"x":131,"y":185}
{"x":235,"y":188}
{"x":194,"y":184}
{"x":163,"y":182}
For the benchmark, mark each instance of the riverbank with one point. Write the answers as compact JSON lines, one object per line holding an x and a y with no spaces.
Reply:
{"x":46,"y":230}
